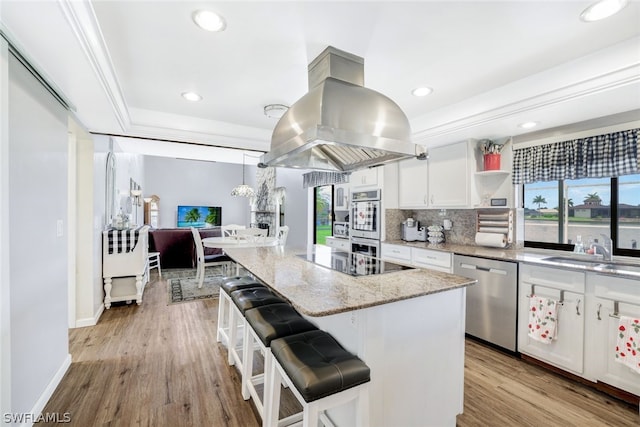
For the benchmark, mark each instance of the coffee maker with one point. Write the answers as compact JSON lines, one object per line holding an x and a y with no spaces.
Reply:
{"x":411,"y":231}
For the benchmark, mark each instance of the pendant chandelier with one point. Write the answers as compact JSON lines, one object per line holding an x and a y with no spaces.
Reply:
{"x":243,"y":190}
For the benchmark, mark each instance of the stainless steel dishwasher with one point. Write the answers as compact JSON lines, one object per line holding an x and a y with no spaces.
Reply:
{"x":492,"y":303}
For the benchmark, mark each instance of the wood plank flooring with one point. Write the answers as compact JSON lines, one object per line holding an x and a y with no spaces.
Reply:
{"x":159,"y":365}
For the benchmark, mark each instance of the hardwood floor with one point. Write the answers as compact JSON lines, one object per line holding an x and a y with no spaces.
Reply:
{"x":159,"y":365}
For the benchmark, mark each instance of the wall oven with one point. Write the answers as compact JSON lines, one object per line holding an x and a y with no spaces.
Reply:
{"x":368,"y":247}
{"x":365,"y":214}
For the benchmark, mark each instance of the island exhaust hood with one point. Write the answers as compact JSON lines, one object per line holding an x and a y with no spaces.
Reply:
{"x":340,"y":125}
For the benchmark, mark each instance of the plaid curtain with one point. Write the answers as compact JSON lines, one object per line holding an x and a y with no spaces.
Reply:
{"x":316,"y":179}
{"x":608,"y":155}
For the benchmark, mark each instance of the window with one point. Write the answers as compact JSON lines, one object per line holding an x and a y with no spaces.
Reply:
{"x":557,"y":212}
{"x":323,"y":213}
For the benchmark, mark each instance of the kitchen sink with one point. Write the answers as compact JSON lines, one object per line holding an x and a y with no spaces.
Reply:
{"x":574,"y":261}
{"x":597,"y":264}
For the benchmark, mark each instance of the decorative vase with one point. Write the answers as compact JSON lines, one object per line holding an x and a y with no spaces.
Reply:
{"x":491,"y":162}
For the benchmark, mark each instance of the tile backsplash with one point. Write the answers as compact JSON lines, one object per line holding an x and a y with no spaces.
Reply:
{"x":463,"y":231}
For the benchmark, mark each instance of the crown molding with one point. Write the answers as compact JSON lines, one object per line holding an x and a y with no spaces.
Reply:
{"x":84,"y":24}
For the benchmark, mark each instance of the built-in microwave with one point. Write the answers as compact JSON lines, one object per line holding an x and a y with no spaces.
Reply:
{"x":341,"y":229}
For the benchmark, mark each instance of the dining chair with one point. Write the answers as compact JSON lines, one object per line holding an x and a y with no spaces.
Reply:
{"x":231,"y":230}
{"x":283,"y":232}
{"x":257,"y":235}
{"x":207,"y":260}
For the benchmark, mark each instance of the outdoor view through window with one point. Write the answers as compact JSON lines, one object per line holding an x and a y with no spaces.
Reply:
{"x":587,"y":211}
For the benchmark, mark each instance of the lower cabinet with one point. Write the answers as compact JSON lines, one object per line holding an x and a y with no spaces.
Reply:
{"x":338,"y":243}
{"x":608,"y":299}
{"x":417,"y":257}
{"x":567,"y":287}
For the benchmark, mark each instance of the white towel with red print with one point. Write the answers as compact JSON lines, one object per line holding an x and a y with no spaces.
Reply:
{"x":628,"y":343}
{"x":543,"y":316}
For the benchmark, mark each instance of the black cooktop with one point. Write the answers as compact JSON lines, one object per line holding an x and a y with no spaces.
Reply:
{"x":351,"y":263}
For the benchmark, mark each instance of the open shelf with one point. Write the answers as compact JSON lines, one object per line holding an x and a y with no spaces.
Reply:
{"x":494,"y":172}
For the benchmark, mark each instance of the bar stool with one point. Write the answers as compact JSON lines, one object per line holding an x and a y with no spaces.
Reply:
{"x":321,"y":374}
{"x":243,"y":300}
{"x":264,"y":324}
{"x":230,"y":284}
{"x":153,"y":260}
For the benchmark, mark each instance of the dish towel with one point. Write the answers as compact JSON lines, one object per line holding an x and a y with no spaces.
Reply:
{"x":543,"y":315}
{"x":365,"y":213}
{"x":122,"y":240}
{"x":627,"y":345}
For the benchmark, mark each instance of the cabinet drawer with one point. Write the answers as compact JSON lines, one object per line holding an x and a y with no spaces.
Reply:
{"x":615,"y":288}
{"x":568,"y":280}
{"x":398,"y":252}
{"x":342,"y":244}
{"x":429,"y":258}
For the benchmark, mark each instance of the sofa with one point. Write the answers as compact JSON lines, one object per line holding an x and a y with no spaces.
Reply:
{"x":176,"y":246}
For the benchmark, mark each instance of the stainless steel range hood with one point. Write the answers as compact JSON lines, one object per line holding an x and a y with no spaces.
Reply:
{"x":339,"y":125}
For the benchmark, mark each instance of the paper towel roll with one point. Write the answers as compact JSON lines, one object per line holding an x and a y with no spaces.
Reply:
{"x":491,"y":239}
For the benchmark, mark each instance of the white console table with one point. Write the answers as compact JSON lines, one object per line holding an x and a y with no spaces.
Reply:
{"x":125,"y":272}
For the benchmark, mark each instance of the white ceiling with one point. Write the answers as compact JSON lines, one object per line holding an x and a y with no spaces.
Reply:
{"x":493,"y":65}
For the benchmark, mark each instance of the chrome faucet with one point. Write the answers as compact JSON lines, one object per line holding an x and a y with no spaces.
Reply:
{"x":606,"y":249}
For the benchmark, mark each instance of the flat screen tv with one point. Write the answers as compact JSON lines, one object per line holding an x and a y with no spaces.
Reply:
{"x":199,"y":216}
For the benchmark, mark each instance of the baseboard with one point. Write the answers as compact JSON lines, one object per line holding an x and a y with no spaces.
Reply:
{"x":90,"y":321}
{"x":51,"y":387}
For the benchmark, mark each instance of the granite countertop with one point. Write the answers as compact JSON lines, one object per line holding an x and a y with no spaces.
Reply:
{"x":528,"y":255}
{"x":318,"y":291}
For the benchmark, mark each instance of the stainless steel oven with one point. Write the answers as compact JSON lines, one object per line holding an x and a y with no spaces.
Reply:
{"x":365,"y":214}
{"x":368,"y":247}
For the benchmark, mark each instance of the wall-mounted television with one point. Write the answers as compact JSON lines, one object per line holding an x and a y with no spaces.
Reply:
{"x":199,"y":216}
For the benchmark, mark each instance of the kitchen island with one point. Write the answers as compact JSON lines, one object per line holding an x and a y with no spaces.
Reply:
{"x":407,"y":325}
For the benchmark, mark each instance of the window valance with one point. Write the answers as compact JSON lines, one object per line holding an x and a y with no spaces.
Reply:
{"x":316,"y":178}
{"x":609,"y":155}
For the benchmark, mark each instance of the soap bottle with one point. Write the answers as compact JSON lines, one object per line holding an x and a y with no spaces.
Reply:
{"x":579,"y":247}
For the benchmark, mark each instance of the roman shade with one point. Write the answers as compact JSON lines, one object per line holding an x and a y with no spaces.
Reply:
{"x":608,"y":155}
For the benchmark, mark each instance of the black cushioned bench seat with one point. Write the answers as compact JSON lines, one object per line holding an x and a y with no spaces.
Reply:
{"x":276,"y":320}
{"x":245,"y":282}
{"x":246,"y":299}
{"x":318,"y":365}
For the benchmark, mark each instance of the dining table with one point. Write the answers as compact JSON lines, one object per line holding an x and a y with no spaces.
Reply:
{"x":239,"y":242}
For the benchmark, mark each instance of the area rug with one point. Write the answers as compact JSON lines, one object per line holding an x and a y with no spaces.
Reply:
{"x":183,"y":285}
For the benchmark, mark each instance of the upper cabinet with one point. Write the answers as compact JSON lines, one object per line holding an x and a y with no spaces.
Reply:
{"x":364,"y":178}
{"x":412,"y":184}
{"x":442,"y":181}
{"x":341,"y":197}
{"x":448,"y":175}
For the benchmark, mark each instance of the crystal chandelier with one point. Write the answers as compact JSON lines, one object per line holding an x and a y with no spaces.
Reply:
{"x":243,"y":190}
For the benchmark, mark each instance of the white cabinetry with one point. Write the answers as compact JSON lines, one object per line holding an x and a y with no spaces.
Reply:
{"x":364,"y":177}
{"x":428,"y":258}
{"x":412,"y":184}
{"x":396,"y":253}
{"x":449,"y":172}
{"x":568,"y":287}
{"x":341,"y":197}
{"x":417,"y":257}
{"x":338,"y":243}
{"x":609,"y":297}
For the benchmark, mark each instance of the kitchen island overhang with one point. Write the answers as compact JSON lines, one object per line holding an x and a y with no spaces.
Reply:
{"x":408,"y":326}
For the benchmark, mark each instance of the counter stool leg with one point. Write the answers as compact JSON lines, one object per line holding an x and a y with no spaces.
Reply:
{"x":247,"y":363}
{"x":222,"y":318}
{"x":233,"y":332}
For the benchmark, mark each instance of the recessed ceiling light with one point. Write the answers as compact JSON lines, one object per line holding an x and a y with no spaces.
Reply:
{"x":275,"y":111}
{"x":191,"y":96}
{"x":209,"y":21}
{"x":421,"y":91}
{"x":528,"y":125}
{"x":602,"y":9}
